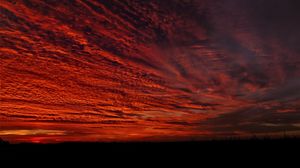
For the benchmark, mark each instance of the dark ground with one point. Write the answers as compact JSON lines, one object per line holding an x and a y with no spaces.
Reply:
{"x":215,"y":152}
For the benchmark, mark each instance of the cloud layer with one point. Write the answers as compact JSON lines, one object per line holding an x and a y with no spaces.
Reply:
{"x":149,"y":70}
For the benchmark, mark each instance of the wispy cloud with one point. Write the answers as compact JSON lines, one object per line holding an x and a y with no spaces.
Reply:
{"x":32,"y":132}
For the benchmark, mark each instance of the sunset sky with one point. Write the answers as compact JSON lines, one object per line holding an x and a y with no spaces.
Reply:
{"x":148,"y":70}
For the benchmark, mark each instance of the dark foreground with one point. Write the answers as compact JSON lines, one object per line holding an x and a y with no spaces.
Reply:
{"x":273,"y":149}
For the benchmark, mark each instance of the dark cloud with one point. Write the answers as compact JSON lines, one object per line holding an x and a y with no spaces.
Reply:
{"x":288,"y":91}
{"x":255,"y":119}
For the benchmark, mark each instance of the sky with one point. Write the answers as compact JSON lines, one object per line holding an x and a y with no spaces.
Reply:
{"x":148,"y":70}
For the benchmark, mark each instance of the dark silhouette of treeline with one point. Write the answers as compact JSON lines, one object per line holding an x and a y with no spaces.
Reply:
{"x":161,"y":146}
{"x":209,"y":151}
{"x":214,"y":152}
{"x":224,"y":141}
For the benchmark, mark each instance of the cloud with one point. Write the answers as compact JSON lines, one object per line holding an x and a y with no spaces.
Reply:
{"x":32,"y":132}
{"x":254,"y":120}
{"x":189,"y":68}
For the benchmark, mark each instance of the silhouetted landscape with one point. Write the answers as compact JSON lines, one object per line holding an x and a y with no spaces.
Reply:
{"x":258,"y":147}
